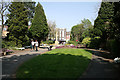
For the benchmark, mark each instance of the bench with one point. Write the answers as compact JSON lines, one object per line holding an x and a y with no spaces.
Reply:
{"x":48,"y":47}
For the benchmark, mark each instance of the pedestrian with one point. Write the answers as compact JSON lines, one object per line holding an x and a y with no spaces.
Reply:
{"x":36,"y":44}
{"x":32,"y":45}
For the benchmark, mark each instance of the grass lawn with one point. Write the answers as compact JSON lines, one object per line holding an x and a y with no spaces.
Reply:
{"x":58,"y":63}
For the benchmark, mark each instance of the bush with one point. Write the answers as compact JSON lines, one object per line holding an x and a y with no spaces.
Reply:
{"x":86,"y":41}
{"x":95,"y":43}
{"x":73,"y":42}
{"x":47,"y":42}
{"x":70,"y":42}
{"x":113,"y":46}
{"x":7,"y":44}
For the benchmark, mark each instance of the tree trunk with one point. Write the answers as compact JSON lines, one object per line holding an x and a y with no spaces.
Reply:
{"x":2,"y":22}
{"x":2,"y":17}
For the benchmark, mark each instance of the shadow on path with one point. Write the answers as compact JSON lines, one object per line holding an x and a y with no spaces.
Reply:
{"x":102,"y":67}
{"x":10,"y":63}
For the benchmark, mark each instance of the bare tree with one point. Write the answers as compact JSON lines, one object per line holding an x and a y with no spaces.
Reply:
{"x":3,"y":7}
{"x":52,"y":29}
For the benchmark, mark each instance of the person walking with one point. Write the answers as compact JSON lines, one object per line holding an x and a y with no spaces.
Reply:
{"x":32,"y":45}
{"x":36,"y":44}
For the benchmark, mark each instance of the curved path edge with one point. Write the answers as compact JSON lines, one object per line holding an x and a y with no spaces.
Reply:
{"x":10,"y":63}
{"x":101,"y":67}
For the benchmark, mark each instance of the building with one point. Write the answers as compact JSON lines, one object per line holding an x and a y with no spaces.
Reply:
{"x":61,"y":34}
{"x":67,"y":36}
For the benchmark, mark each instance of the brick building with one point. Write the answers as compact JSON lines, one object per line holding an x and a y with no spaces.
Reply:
{"x":67,"y":36}
{"x":63,"y":35}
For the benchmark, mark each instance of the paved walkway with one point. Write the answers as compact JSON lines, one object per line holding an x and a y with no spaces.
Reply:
{"x":10,"y":63}
{"x":101,"y":67}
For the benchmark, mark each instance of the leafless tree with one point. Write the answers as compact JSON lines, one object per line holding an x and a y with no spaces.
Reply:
{"x":3,"y":8}
{"x":52,"y":29}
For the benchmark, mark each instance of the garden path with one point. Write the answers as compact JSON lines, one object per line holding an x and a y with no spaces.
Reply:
{"x":11,"y":62}
{"x":102,"y":67}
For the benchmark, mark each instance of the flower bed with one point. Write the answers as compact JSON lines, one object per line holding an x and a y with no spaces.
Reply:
{"x":59,"y":47}
{"x":6,"y":51}
{"x":69,"y":46}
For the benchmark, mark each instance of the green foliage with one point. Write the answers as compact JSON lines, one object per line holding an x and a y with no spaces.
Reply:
{"x":113,"y":46}
{"x":18,"y":23}
{"x":26,"y":41}
{"x":86,"y":23}
{"x":115,"y":32}
{"x":91,"y":32}
{"x":71,"y":42}
{"x":76,"y":32}
{"x":7,"y":44}
{"x":31,"y":9}
{"x":92,"y":42}
{"x":104,"y":19}
{"x":86,"y":30}
{"x":39,"y":28}
{"x":86,"y":41}
{"x":108,"y":22}
{"x":67,"y":63}
{"x":95,"y":43}
{"x":74,"y":43}
{"x":47,"y":42}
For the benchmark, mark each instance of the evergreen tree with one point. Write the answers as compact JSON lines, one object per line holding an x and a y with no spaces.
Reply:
{"x":104,"y":19}
{"x":39,"y":28}
{"x":31,"y":9}
{"x":116,"y":21}
{"x":108,"y":21}
{"x":18,"y":23}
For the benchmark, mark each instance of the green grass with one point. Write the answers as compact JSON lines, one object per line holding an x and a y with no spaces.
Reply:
{"x":58,"y":63}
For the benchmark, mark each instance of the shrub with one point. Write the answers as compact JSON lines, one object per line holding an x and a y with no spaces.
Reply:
{"x":113,"y":46}
{"x":86,"y":41}
{"x":7,"y":44}
{"x":48,"y":42}
{"x":70,"y":42}
{"x":59,"y":47}
{"x":73,"y":42}
{"x":95,"y":42}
